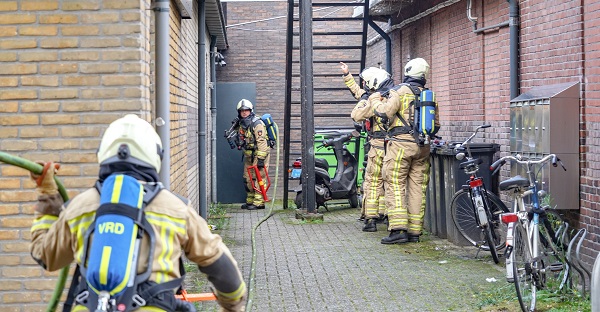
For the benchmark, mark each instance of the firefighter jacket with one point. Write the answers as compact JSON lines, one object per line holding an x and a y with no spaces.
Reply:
{"x":179,"y":230}
{"x":363,"y":110}
{"x":398,"y":103}
{"x":254,"y":137}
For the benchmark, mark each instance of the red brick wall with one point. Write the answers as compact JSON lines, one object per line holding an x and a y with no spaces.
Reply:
{"x":590,"y":126}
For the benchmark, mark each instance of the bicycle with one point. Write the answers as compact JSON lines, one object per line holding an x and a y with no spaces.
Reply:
{"x":535,"y":255}
{"x":475,"y":210}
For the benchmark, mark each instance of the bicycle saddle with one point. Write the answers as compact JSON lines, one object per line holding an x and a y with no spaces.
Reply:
{"x":514,"y":182}
{"x":468,"y":163}
{"x":322,"y":163}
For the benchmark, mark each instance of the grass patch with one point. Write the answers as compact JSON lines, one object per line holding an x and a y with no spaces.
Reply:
{"x":504,"y":299}
{"x":217,"y":216}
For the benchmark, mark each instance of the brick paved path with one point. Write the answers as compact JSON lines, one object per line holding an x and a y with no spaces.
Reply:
{"x":334,"y":266}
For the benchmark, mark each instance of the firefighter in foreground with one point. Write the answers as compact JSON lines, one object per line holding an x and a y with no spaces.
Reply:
{"x":253,"y":137}
{"x":374,"y":80}
{"x":406,"y":162}
{"x":130,"y":148}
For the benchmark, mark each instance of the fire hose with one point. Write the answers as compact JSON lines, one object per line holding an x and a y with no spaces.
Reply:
{"x":37,"y":169}
{"x":270,"y":213}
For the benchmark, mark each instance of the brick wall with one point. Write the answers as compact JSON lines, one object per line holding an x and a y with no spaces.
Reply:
{"x":184,"y":100}
{"x":590,"y":126}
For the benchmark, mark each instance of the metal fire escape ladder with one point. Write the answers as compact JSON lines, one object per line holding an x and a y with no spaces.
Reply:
{"x":339,"y":35}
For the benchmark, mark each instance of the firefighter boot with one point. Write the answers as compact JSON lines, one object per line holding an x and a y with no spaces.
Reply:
{"x":370,"y":225}
{"x":396,"y":237}
{"x":413,"y":238}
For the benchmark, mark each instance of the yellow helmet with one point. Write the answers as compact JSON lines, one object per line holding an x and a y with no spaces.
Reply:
{"x":374,"y":77}
{"x":245,"y":105}
{"x":132,"y":140}
{"x":416,"y":68}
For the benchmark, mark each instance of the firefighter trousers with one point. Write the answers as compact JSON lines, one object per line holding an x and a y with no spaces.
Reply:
{"x":373,"y":190}
{"x":254,"y":197}
{"x":406,"y":175}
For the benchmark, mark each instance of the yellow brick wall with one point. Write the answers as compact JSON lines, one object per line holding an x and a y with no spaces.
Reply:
{"x":184,"y":105}
{"x":67,"y":69}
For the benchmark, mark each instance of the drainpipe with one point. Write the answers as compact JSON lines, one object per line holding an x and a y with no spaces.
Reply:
{"x":202,"y":198}
{"x":388,"y":44}
{"x":513,"y":19}
{"x":213,"y":114}
{"x":474,"y":21}
{"x":161,"y":13}
{"x":471,"y":17}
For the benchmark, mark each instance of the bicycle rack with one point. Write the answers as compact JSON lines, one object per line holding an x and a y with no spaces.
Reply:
{"x":577,"y":255}
{"x":576,"y":263}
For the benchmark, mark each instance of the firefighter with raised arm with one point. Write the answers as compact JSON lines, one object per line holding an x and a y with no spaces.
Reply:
{"x":253,"y":135}
{"x":406,"y":162}
{"x":130,"y":150}
{"x":374,"y":80}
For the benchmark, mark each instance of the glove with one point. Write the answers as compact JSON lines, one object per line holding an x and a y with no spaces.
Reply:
{"x":260,"y":163}
{"x":45,"y":181}
{"x":49,"y":200}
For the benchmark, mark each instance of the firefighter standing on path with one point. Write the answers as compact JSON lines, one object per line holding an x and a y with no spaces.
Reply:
{"x":406,"y":163}
{"x":252,"y":133}
{"x":374,"y":79}
{"x":130,"y":146}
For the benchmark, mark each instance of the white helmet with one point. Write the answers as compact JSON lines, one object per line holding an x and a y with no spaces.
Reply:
{"x":416,"y":68}
{"x":133,"y":140}
{"x":245,"y":105}
{"x":374,"y":77}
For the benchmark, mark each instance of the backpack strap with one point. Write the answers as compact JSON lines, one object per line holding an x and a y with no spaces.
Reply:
{"x":408,"y":126}
{"x":255,"y":121}
{"x":68,"y":305}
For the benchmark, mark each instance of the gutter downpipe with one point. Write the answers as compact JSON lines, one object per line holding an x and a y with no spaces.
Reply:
{"x":473,"y":19}
{"x":513,"y":19}
{"x":202,"y":199}
{"x":213,"y":114}
{"x":388,"y":43}
{"x":161,"y":13}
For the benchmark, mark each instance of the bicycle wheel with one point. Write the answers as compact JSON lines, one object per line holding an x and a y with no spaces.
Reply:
{"x":464,"y":218}
{"x":523,"y":269}
{"x":553,"y":249}
{"x":490,"y":237}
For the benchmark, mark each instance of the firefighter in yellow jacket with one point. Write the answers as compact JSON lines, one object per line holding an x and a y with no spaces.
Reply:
{"x":130,"y":146}
{"x":253,"y":135}
{"x":374,"y":79}
{"x":406,"y":163}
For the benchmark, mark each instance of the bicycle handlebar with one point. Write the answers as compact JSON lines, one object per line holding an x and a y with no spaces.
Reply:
{"x":466,"y":142}
{"x":495,"y":167}
{"x":342,"y":138}
{"x":472,"y":135}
